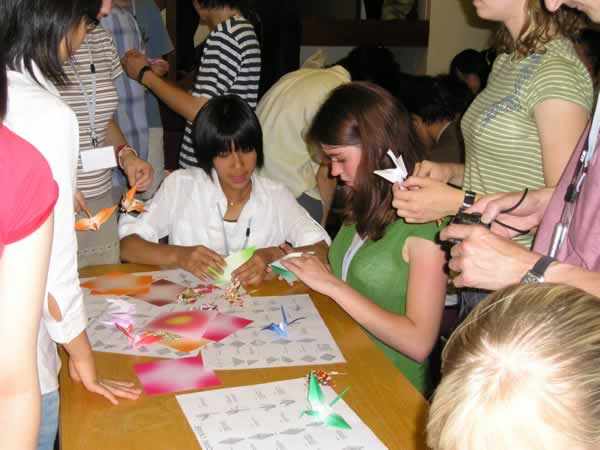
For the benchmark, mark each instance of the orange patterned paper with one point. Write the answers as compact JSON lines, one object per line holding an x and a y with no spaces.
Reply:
{"x":94,"y":223}
{"x":130,"y":203}
{"x":119,"y":284}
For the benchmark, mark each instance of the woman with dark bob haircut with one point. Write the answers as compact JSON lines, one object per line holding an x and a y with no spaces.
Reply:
{"x":387,"y":274}
{"x":221,"y":207}
{"x":37,"y":37}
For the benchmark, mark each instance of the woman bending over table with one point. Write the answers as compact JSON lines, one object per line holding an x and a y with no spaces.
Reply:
{"x":387,"y":274}
{"x":223,"y":206}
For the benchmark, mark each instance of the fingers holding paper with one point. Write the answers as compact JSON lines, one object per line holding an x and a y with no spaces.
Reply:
{"x":421,"y":200}
{"x":198,"y":260}
{"x":313,"y":272}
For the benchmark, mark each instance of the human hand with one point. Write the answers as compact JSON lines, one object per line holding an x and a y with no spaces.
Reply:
{"x":525,"y":217}
{"x":425,"y":199}
{"x":253,"y":271}
{"x":84,"y":371}
{"x":159,"y":66}
{"x":198,"y":259}
{"x":437,"y":171}
{"x":313,"y":272}
{"x":133,"y":61}
{"x":485,"y":260}
{"x":80,"y":204}
{"x":137,"y":171}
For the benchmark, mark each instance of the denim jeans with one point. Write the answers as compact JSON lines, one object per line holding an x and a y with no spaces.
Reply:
{"x":469,"y":299}
{"x":49,"y":421}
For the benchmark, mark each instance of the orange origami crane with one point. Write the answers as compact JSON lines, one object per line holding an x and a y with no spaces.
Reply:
{"x":131,"y":204}
{"x":94,"y":223}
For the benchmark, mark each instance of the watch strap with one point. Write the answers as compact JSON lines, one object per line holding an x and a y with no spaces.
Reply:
{"x":539,"y":268}
{"x":468,"y":200}
{"x":141,"y":73}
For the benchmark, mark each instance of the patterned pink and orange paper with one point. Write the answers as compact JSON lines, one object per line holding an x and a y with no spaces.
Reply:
{"x":117,"y":283}
{"x":163,"y":377}
{"x":162,"y":292}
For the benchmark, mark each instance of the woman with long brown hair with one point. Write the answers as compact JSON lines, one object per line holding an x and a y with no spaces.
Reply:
{"x":387,"y":274}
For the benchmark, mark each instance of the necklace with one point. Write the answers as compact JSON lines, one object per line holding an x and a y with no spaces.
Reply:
{"x":232,"y":203}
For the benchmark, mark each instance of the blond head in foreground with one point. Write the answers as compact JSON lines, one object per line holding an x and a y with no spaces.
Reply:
{"x":522,"y":372}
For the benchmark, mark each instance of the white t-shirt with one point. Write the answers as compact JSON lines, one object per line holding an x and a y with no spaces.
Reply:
{"x":186,"y":208}
{"x":37,"y":114}
{"x":286,"y":112}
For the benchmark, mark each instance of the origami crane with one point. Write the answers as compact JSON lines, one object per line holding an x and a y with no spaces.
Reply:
{"x":397,"y":174}
{"x":130,"y":204}
{"x":136,"y":340}
{"x":322,"y":410}
{"x":93,"y":223}
{"x":281,"y":328}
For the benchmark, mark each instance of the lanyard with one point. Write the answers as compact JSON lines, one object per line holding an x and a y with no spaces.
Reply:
{"x":90,"y":101}
{"x":562,"y":227}
{"x":226,"y":240}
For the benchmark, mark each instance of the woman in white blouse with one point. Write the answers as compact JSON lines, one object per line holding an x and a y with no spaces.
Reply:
{"x":222,"y":207}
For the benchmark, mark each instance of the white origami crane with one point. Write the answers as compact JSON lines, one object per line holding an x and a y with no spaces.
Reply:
{"x":397,"y":174}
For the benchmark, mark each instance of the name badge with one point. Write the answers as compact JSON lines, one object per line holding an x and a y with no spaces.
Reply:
{"x":98,"y":159}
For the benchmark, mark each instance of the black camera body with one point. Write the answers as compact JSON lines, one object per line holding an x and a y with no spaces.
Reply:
{"x":463,"y":218}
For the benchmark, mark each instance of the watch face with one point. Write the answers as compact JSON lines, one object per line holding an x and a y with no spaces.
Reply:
{"x":531,"y":278}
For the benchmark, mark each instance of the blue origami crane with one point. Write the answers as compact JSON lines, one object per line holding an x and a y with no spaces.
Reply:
{"x":281,"y":328}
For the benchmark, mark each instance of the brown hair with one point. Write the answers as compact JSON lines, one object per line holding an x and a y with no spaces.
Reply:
{"x":366,"y":115}
{"x":522,"y":372}
{"x":540,"y":28}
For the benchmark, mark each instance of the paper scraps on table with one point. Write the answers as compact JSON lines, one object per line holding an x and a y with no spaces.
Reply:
{"x":163,"y":377}
{"x":196,"y":328}
{"x":93,"y":223}
{"x":322,"y":410}
{"x":193,"y":294}
{"x":397,"y":174}
{"x":118,"y":283}
{"x":324,"y":377}
{"x":281,"y":328}
{"x":162,"y":292}
{"x":130,"y":204}
{"x":232,"y":262}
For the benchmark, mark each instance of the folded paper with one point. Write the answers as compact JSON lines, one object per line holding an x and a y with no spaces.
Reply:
{"x":130,"y":204}
{"x":396,"y":175}
{"x":232,"y":262}
{"x":322,"y":410}
{"x":94,"y":223}
{"x":282,"y":271}
{"x":281,"y":328}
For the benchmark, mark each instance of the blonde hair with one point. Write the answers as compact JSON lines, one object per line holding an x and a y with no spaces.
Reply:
{"x":540,"y":28}
{"x":522,"y":372}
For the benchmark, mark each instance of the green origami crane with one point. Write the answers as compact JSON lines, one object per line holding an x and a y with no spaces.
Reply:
{"x":232,"y":262}
{"x":322,"y":410}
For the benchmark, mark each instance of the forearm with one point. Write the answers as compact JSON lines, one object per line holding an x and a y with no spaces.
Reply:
{"x":457,"y":174}
{"x":20,"y":415}
{"x":396,"y":330}
{"x":135,"y":249}
{"x":574,"y":276}
{"x":180,"y":101}
{"x":326,"y":185}
{"x":114,"y":136}
{"x":79,"y":348}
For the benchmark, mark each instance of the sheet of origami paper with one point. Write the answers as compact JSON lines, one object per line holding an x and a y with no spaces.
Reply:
{"x":232,"y":262}
{"x":93,"y":223}
{"x":282,"y":271}
{"x":163,"y":377}
{"x":119,"y":284}
{"x":308,"y":342}
{"x":162,"y":292}
{"x":269,"y":416}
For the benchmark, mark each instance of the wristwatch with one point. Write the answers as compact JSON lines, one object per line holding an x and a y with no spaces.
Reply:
{"x":536,"y":273}
{"x":468,"y":200}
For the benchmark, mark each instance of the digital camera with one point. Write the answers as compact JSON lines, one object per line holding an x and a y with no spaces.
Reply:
{"x":463,"y":218}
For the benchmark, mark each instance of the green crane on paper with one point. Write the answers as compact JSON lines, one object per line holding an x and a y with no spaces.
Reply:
{"x":232,"y":262}
{"x":322,"y":410}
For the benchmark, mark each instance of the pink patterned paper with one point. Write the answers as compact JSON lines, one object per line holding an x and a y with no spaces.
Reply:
{"x":164,"y":377}
{"x":224,"y":325}
{"x":162,"y":292}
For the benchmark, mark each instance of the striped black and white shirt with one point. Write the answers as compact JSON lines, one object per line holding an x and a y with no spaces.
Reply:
{"x":230,"y":64}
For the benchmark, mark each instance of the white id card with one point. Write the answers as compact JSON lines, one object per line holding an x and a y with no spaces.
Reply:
{"x":98,"y":159}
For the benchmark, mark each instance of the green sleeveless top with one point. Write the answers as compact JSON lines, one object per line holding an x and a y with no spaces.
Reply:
{"x":379,"y":272}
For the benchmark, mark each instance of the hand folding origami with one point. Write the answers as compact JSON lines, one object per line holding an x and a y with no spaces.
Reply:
{"x":93,"y":223}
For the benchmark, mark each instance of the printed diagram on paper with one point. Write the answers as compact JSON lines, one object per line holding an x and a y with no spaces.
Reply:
{"x":269,"y":417}
{"x":308,"y":342}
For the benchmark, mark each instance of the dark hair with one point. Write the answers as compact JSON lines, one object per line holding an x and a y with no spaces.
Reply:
{"x":364,"y":114}
{"x":439,"y":98}
{"x":224,"y":124}
{"x":3,"y":88}
{"x":590,"y":41}
{"x":374,"y":64}
{"x":32,"y":31}
{"x":471,"y":61}
{"x":246,"y":7}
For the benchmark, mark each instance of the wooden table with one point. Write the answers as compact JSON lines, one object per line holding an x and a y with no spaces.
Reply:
{"x":380,"y":394}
